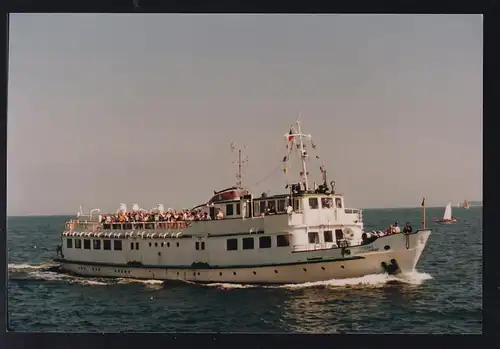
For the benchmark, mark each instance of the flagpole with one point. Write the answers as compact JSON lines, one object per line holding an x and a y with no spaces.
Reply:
{"x":423,"y":212}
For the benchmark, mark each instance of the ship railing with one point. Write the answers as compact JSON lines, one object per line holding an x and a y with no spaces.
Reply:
{"x":355,"y":211}
{"x":86,"y":225}
{"x":313,"y":247}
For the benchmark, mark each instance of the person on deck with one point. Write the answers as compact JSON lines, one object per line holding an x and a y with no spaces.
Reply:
{"x":407,"y":228}
{"x":219,"y":214}
{"x":396,"y":228}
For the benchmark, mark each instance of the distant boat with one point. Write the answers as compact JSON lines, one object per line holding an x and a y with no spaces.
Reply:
{"x":466,"y":205}
{"x":447,"y":217}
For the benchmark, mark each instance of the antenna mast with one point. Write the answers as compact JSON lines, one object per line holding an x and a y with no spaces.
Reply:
{"x":303,"y":153}
{"x":239,"y":174}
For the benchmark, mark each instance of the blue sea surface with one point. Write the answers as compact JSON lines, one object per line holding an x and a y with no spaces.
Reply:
{"x":444,"y":294}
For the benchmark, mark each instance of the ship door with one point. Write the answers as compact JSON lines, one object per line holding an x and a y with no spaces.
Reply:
{"x":200,"y":250}
{"x":339,"y":235}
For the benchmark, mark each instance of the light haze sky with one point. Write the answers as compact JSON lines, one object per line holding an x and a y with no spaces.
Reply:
{"x":111,"y":108}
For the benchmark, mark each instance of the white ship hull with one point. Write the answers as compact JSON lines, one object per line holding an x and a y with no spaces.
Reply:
{"x":322,"y":265}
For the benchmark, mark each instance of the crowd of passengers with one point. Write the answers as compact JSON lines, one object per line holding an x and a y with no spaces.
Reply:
{"x":170,"y":216}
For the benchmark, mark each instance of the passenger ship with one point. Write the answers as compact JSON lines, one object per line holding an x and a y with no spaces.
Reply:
{"x":303,"y":235}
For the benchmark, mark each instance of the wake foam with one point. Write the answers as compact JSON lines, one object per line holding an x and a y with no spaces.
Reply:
{"x":376,"y":280}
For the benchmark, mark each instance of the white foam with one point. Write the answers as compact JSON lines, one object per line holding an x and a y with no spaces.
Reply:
{"x":22,"y":266}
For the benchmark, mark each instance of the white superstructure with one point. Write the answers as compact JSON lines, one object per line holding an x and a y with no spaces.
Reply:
{"x":304,"y":235}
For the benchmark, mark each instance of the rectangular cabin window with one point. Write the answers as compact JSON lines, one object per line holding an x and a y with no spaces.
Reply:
{"x":203,"y":245}
{"x":328,"y":235}
{"x":212,"y":212}
{"x":248,"y":243}
{"x":313,"y":237}
{"x":69,"y":243}
{"x":282,"y":240}
{"x":238,"y":209}
{"x":264,"y":242}
{"x":97,"y":244}
{"x":131,"y":245}
{"x":106,"y":244}
{"x":263,"y":206}
{"x":339,"y":234}
{"x":78,"y":243}
{"x":256,"y":209}
{"x":136,"y":245}
{"x":197,"y":245}
{"x":232,"y":244}
{"x":117,"y":245}
{"x":229,"y":210}
{"x":313,"y":203}
{"x":281,"y":205}
{"x":338,"y":202}
{"x":271,"y":205}
{"x":296,"y":205}
{"x":86,"y":244}
{"x":326,"y":202}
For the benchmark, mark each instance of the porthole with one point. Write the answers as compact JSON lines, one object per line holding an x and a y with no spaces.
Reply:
{"x":149,"y":244}
{"x":220,"y":274}
{"x":304,"y":269}
{"x":323,"y":268}
{"x":177,"y":273}
{"x":162,"y":244}
{"x":254,"y":273}
{"x":159,"y":253}
{"x":194,"y":274}
{"x":276,"y":271}
{"x":156,"y":244}
{"x":234,"y":273}
{"x":387,"y":247}
{"x":168,"y":244}
{"x":177,"y":244}
{"x":198,"y":273}
{"x":342,"y":266}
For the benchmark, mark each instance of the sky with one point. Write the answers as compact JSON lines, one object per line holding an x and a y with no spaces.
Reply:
{"x":112,"y":108}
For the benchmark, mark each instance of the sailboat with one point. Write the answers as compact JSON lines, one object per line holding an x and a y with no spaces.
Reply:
{"x":447,"y":217}
{"x":466,"y":204}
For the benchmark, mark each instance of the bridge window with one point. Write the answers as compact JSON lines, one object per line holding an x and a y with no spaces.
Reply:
{"x":263,"y":205}
{"x":328,"y":235}
{"x":264,"y":242}
{"x":248,"y":243}
{"x":106,"y":244}
{"x":97,"y":244}
{"x":338,"y":202}
{"x":117,"y":245}
{"x":282,"y":240}
{"x":296,"y":205}
{"x":326,"y":202}
{"x":69,"y":243}
{"x":271,"y":205}
{"x":281,"y":205}
{"x":313,"y":203}
{"x":238,"y":209}
{"x":229,"y":210}
{"x":78,"y":243}
{"x":86,"y":244}
{"x":232,"y":244}
{"x":313,"y":237}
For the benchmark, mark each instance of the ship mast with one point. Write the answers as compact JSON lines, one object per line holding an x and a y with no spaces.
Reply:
{"x":301,"y":148}
{"x":239,"y":174}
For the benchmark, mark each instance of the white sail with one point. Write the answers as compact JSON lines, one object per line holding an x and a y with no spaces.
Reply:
{"x":447,"y":212}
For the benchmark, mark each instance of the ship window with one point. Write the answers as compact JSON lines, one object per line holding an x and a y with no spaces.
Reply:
{"x":238,"y":209}
{"x":264,"y":242}
{"x":136,"y":245}
{"x":78,"y":243}
{"x":326,"y":202}
{"x":212,"y":212}
{"x":339,"y":234}
{"x":271,"y":205}
{"x":86,"y":244}
{"x":97,"y":244}
{"x":313,"y":203}
{"x":117,"y":245}
{"x":328,"y":235}
{"x":338,"y":202}
{"x":282,"y":240}
{"x":197,"y":245}
{"x":106,"y":244}
{"x":203,"y":245}
{"x":69,"y":243}
{"x":296,"y":205}
{"x":232,"y":244}
{"x":229,"y":210}
{"x":131,"y":245}
{"x":248,"y":243}
{"x":263,"y":205}
{"x":256,"y":209}
{"x":313,"y":237}
{"x":281,"y":205}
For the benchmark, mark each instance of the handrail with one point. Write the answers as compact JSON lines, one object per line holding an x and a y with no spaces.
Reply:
{"x":72,"y":224}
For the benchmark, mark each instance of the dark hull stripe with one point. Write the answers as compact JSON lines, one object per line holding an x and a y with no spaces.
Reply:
{"x":205,"y":266}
